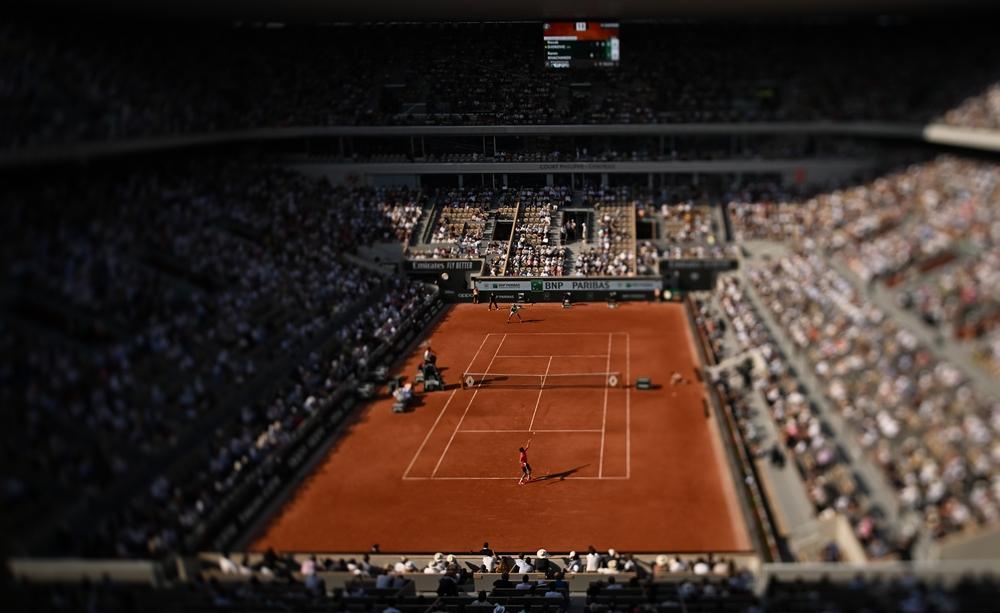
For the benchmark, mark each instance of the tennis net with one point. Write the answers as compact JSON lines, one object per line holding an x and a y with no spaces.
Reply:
{"x":531,"y":381}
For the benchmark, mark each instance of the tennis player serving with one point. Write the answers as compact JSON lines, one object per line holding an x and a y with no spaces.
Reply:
{"x":525,"y":467}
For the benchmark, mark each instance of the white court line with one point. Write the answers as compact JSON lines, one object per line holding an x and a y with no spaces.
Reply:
{"x":559,"y":355}
{"x":628,"y":406}
{"x":541,"y":389}
{"x":535,"y":374}
{"x":607,"y":356}
{"x":535,"y":431}
{"x":466,"y":412}
{"x":604,"y":419}
{"x":562,"y":333}
{"x":472,"y":361}
{"x":441,"y":414}
{"x":542,"y":478}
{"x":426,"y":438}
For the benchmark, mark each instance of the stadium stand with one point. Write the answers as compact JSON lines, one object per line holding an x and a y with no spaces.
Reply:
{"x":944,"y":194}
{"x":498,"y":80}
{"x":613,"y":235}
{"x":322,"y":583}
{"x":212,"y":296}
{"x":535,"y":249}
{"x":982,"y":111}
{"x":690,"y":231}
{"x":826,"y":473}
{"x":187,"y":332}
{"x":927,"y":233}
{"x":462,"y":219}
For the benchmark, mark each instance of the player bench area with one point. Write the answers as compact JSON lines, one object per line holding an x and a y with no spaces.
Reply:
{"x":565,"y":391}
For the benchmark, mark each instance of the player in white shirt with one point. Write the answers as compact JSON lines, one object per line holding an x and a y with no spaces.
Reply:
{"x":514,"y":308}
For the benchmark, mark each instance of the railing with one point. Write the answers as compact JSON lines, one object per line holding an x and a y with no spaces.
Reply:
{"x":935,"y":133}
{"x":947,"y":572}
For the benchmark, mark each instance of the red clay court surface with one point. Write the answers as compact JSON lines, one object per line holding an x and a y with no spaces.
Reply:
{"x":640,"y":471}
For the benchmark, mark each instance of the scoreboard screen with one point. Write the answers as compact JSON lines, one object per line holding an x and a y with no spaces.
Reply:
{"x":581,"y":44}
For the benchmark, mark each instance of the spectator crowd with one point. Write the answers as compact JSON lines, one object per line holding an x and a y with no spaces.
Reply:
{"x":68,"y":84}
{"x":828,"y":477}
{"x":931,"y":232}
{"x":613,"y":248}
{"x":142,"y":302}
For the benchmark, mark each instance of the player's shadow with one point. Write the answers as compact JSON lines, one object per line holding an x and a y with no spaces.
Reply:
{"x":416,"y":401}
{"x":530,"y":321}
{"x":561,"y":476}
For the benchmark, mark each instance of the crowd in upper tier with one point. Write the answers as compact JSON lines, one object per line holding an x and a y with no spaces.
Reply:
{"x":930,"y":232}
{"x":979,"y":111}
{"x":96,"y":82}
{"x":924,"y":237}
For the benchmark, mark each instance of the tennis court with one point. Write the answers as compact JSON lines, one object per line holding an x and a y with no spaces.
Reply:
{"x":634,"y":470}
{"x":557,"y":389}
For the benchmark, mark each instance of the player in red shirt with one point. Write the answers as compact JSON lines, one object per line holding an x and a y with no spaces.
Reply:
{"x":525,"y":467}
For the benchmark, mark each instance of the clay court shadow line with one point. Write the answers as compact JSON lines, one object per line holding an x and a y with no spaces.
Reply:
{"x":561,"y":476}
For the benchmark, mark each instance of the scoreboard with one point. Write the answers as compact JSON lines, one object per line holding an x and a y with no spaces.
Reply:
{"x":581,"y":44}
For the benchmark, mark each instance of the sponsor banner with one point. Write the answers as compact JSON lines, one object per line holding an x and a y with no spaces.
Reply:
{"x":420,"y":265}
{"x":570,"y":285}
{"x":505,"y":297}
{"x":504,"y":286}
